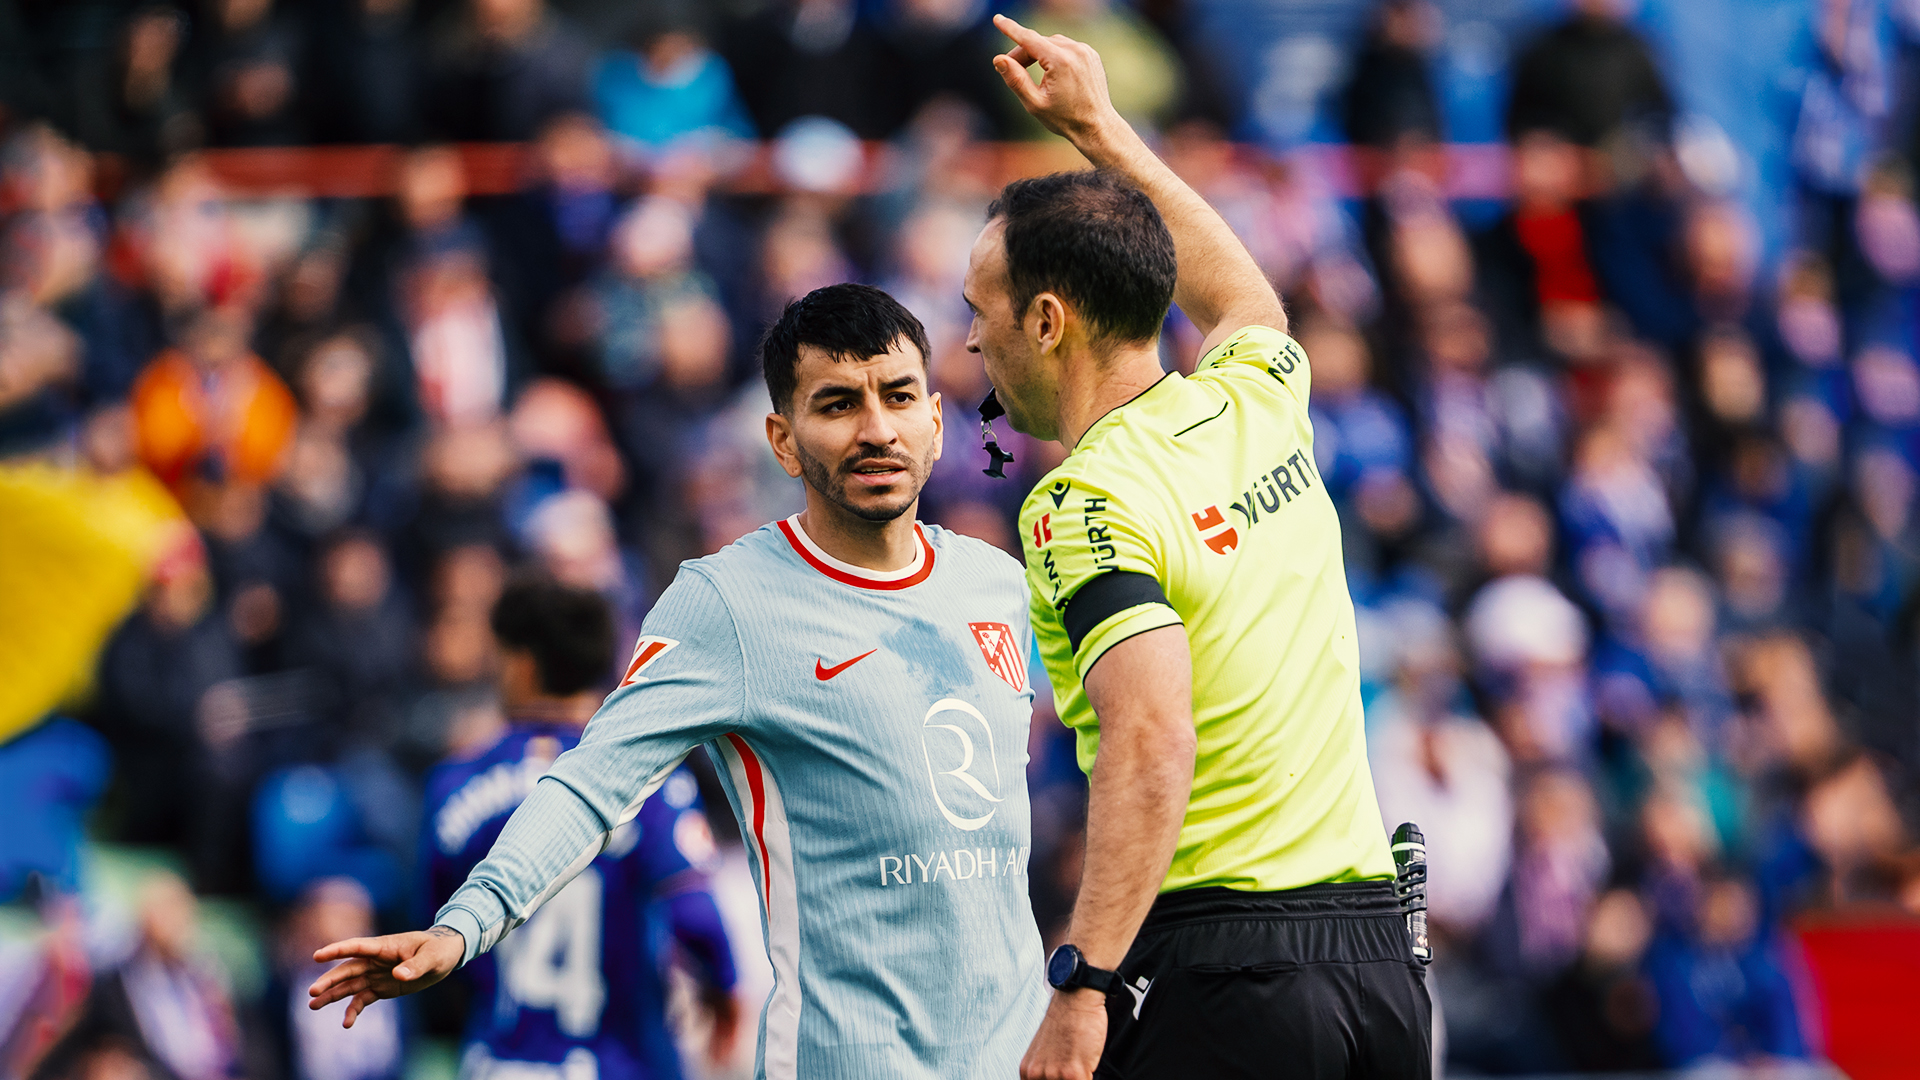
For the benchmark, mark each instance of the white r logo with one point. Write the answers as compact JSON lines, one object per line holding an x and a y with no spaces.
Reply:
{"x":960,"y":772}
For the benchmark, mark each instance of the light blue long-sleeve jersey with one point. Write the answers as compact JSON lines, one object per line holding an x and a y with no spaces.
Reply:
{"x":870,"y":730}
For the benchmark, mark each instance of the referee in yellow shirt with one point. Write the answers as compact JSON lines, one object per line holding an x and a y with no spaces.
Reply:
{"x":1236,"y":915}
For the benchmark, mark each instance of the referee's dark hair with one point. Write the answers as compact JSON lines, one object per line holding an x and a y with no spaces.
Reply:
{"x":846,"y":321}
{"x":1098,"y":242}
{"x":568,"y":632}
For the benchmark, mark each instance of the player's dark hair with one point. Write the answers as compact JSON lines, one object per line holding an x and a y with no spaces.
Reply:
{"x":847,"y":322}
{"x":568,"y":631}
{"x":1098,"y":242}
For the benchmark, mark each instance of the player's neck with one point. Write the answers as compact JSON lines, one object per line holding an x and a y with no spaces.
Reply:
{"x":870,"y":545}
{"x":1094,"y":384}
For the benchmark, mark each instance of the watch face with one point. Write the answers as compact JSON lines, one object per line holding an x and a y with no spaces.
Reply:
{"x":1061,"y":964}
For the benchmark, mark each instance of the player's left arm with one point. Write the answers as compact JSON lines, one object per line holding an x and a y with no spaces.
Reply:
{"x":646,"y":727}
{"x":1141,"y":689}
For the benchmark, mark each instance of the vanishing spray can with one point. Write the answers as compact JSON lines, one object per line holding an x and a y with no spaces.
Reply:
{"x":1410,"y":885}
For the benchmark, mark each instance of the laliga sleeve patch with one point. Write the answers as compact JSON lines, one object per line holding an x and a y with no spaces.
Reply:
{"x":645,"y":652}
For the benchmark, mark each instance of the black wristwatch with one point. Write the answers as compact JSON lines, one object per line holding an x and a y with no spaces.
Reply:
{"x":1067,"y":969}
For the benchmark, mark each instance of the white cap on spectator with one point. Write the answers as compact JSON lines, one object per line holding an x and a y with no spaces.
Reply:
{"x":1523,"y":620}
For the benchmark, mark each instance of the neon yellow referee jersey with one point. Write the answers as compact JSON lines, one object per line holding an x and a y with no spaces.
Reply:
{"x":1198,"y":503}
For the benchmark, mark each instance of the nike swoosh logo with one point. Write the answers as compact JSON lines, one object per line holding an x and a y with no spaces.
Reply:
{"x":822,"y":672}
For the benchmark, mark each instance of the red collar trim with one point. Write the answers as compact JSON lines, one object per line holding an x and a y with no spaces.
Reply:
{"x":848,"y":574}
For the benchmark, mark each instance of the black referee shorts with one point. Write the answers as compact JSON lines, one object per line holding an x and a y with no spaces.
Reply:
{"x":1318,"y":983}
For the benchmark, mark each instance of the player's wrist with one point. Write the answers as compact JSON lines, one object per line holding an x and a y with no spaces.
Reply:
{"x":455,"y":939}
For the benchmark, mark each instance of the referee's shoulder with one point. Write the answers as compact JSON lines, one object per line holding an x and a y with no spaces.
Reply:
{"x":1258,"y":355}
{"x":1253,"y":343}
{"x":1096,"y":468}
{"x":1108,"y":479}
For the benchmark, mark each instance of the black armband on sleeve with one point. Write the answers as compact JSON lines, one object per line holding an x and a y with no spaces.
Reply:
{"x":1105,"y":596}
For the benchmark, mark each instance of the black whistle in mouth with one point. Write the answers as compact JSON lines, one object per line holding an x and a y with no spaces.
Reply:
{"x":991,"y":410}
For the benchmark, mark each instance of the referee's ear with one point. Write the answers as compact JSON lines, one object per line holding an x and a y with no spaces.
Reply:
{"x":1048,"y":317}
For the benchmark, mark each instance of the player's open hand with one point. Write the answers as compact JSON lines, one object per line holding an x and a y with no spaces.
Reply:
{"x":1070,"y":1039}
{"x":1071,"y":97}
{"x":385,"y":967}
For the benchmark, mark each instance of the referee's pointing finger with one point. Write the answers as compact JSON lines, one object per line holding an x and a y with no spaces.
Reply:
{"x":1031,"y":46}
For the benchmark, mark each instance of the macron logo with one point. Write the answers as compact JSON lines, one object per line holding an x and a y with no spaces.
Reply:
{"x":1139,"y":989}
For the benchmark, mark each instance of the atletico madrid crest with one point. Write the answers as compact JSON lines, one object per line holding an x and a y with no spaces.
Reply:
{"x":1000,"y":647}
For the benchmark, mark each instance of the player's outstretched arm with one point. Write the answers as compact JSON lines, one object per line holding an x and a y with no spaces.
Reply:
{"x":1220,"y":287}
{"x":385,"y":967}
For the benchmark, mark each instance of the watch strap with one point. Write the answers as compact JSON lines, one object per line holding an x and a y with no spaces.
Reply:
{"x":1093,"y":978}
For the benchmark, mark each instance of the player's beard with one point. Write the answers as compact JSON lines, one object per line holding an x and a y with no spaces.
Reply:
{"x":832,"y":482}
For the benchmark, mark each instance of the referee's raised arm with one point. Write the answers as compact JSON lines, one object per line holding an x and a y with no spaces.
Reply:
{"x":1220,"y":288}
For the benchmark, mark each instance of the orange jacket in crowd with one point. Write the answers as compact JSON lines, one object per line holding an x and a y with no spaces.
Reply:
{"x":239,"y":414}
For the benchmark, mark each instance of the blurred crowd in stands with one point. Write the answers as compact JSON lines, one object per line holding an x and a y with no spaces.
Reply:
{"x":1629,"y":499}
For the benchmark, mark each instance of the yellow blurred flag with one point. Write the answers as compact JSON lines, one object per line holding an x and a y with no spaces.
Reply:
{"x":74,"y":552}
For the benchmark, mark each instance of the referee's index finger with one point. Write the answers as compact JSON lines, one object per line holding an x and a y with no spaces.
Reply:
{"x":1037,"y":46}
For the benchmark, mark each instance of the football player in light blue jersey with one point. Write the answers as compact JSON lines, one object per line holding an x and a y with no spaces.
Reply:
{"x":861,"y":682}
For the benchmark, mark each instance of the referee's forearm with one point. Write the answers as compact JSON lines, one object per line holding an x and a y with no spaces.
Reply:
{"x":1138,"y":799}
{"x":1141,"y":689}
{"x":1219,"y":287}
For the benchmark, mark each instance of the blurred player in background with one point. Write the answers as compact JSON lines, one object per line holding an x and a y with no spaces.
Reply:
{"x":861,"y":681}
{"x":578,"y":993}
{"x":1236,"y":915}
